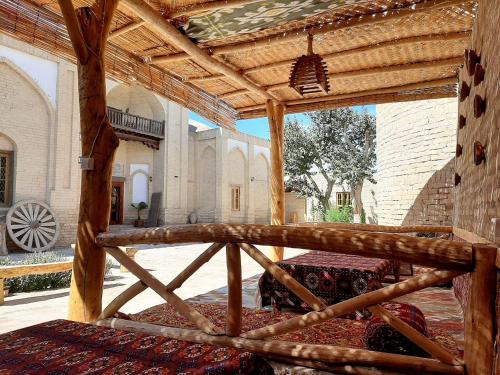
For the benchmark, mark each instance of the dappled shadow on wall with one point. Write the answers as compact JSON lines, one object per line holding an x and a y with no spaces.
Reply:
{"x":434,"y":203}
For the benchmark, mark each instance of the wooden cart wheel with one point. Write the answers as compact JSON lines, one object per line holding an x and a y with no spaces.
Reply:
{"x":32,"y":225}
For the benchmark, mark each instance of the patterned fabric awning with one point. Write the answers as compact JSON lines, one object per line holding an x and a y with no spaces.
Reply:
{"x":257,"y":16}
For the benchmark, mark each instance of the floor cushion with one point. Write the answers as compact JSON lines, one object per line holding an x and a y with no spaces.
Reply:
{"x":382,"y":337}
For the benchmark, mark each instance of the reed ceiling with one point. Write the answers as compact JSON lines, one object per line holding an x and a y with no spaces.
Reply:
{"x":375,"y":51}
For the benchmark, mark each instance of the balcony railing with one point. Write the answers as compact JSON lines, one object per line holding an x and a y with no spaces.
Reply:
{"x":136,"y":124}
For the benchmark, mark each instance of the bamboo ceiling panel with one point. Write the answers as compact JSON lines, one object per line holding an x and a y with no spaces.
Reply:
{"x":435,"y":35}
{"x":367,"y":45}
{"x":373,"y":81}
{"x":394,"y":57}
{"x":362,"y":36}
{"x":43,"y":29}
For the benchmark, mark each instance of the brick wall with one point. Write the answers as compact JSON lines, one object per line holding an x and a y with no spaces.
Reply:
{"x":40,"y":122}
{"x":477,"y":197}
{"x":415,"y":164}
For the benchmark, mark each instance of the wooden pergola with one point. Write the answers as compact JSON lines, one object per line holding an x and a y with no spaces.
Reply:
{"x":375,"y":52}
{"x":229,"y":60}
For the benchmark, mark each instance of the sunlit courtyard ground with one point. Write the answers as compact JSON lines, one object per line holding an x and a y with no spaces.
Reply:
{"x":25,"y":309}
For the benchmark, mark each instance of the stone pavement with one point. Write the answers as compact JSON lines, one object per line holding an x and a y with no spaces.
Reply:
{"x":25,"y":309}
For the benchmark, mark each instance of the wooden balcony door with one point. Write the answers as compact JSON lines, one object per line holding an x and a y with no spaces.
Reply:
{"x":117,"y":203}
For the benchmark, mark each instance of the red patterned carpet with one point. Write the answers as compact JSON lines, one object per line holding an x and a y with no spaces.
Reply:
{"x":339,"y":332}
{"x":63,"y":347}
{"x":439,"y":305}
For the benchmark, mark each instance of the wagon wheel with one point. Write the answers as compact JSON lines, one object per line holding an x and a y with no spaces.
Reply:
{"x":32,"y":225}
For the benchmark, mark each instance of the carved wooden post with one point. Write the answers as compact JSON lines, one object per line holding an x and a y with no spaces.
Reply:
{"x":480,"y":314}
{"x":275,"y":114}
{"x":88,"y":29}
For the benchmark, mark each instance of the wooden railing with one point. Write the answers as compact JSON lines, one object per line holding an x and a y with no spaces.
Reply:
{"x":450,"y":258}
{"x":9,"y":272}
{"x":137,"y":124}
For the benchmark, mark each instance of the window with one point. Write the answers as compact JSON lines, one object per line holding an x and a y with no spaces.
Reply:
{"x":343,"y":199}
{"x":235,"y":198}
{"x":5,"y":178}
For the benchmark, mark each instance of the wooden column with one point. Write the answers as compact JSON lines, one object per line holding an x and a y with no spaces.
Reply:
{"x":234,"y":290}
{"x":88,"y":29}
{"x":275,"y":114}
{"x":480,"y":313}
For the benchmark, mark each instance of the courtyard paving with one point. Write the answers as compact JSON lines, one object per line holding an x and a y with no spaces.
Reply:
{"x":25,"y":309}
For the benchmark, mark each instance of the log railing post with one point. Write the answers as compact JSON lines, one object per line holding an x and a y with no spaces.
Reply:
{"x":234,"y":290}
{"x":480,"y":312}
{"x":88,"y":30}
{"x":152,"y":282}
{"x":275,"y":114}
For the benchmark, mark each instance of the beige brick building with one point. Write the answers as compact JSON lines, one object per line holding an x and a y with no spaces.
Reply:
{"x":215,"y":174}
{"x":415,"y":164}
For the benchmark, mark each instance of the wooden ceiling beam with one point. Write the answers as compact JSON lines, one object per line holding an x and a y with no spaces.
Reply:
{"x":386,"y":90}
{"x":460,"y":35}
{"x":357,"y":101}
{"x":125,"y":29}
{"x":162,"y":27}
{"x":363,"y":72}
{"x":365,"y":20}
{"x":209,"y":6}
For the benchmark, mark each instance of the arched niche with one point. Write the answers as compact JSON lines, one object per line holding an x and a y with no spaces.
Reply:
{"x":136,"y":100}
{"x":208,"y":180}
{"x":237,"y":180}
{"x":237,"y":166}
{"x":140,"y":186}
{"x":261,"y":189}
{"x":25,"y":121}
{"x":261,"y":168}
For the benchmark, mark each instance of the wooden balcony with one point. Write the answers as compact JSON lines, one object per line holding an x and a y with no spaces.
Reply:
{"x":136,"y":128}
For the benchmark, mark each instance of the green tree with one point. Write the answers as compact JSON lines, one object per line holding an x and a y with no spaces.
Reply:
{"x":339,"y":146}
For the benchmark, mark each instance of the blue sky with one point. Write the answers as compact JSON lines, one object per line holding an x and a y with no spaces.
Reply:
{"x":259,"y":126}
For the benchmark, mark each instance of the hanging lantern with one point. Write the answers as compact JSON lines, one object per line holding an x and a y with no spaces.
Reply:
{"x":309,"y":74}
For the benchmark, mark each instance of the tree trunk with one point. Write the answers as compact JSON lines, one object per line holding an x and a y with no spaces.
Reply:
{"x":357,"y":208}
{"x":99,"y":142}
{"x":325,"y":206}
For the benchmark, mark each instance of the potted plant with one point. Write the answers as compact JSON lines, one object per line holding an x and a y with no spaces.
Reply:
{"x":139,"y":223}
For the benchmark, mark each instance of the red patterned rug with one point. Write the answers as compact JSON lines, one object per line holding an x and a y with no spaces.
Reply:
{"x":62,"y":347}
{"x":441,"y":308}
{"x":340,"y":332}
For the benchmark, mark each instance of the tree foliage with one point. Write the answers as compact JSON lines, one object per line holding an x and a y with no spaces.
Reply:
{"x":336,"y":148}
